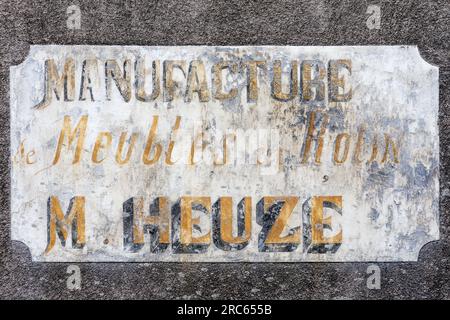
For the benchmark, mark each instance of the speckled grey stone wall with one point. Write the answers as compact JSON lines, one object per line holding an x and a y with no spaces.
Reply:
{"x":422,"y":23}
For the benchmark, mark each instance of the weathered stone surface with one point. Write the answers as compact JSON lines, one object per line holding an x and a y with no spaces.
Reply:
{"x":327,"y":153}
{"x":422,"y":23}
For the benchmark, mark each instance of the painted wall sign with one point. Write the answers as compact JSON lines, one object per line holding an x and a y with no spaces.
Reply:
{"x":127,"y":153}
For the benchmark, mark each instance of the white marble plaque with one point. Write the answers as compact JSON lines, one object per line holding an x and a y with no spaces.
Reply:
{"x":222,"y":154}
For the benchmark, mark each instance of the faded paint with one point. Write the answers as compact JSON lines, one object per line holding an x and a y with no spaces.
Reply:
{"x":355,"y":176}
